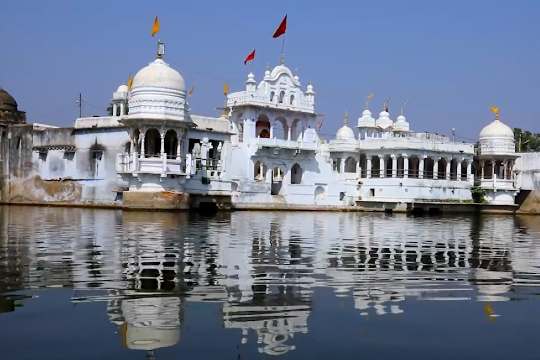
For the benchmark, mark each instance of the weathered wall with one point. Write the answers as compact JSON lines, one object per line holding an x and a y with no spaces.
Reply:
{"x":528,"y":165}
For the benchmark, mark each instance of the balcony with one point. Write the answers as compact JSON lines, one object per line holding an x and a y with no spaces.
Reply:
{"x":285,"y":144}
{"x":133,"y":163}
{"x":497,"y":184}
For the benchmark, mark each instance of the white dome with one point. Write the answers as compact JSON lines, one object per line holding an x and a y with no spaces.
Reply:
{"x":345,"y":133}
{"x":122,"y":88}
{"x":366,"y":120}
{"x":401,"y":124}
{"x":497,"y":129}
{"x":384,"y":121}
{"x":159,"y":74}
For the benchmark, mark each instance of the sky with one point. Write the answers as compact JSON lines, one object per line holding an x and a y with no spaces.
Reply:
{"x":449,"y":61}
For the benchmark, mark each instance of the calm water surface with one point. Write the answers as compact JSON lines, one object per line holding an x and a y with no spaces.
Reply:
{"x":97,"y":284}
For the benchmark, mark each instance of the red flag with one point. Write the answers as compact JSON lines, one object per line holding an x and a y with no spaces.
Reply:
{"x":282,"y":28}
{"x":250,"y":57}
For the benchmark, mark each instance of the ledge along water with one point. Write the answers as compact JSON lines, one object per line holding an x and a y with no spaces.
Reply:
{"x":94,"y":283}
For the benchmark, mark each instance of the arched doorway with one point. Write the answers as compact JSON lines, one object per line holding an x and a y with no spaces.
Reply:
{"x":152,"y":143}
{"x":414,"y":164}
{"x":453,"y":169}
{"x":171,"y":144}
{"x":262,"y":127}
{"x":350,"y":165}
{"x":296,"y":174}
{"x":441,"y":169}
{"x":277,"y":180}
{"x":428,"y":168}
{"x":375,"y":166}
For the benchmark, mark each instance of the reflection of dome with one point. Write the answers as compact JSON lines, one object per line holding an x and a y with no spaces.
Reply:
{"x":159,"y":74}
{"x":7,"y":102}
{"x":384,"y":120}
{"x":401,"y":124}
{"x":345,"y":133}
{"x":497,"y":129}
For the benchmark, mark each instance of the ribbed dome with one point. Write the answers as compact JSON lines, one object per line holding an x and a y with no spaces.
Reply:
{"x":401,"y":124}
{"x":366,"y":120}
{"x":345,"y":133}
{"x":384,"y":120}
{"x":497,"y":129}
{"x":159,"y":74}
{"x":7,"y":102}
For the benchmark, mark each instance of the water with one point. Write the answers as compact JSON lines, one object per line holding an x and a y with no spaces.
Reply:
{"x":89,"y":284}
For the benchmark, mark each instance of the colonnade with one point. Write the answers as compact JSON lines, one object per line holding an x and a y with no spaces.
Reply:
{"x":406,"y":166}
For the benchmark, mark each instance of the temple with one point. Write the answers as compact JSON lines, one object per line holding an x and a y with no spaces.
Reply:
{"x":264,"y":152}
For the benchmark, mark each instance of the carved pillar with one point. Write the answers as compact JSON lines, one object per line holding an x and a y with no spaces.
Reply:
{"x":469,"y":167}
{"x":163,"y":154}
{"x":178,"y":145}
{"x":421,"y":167}
{"x":436,"y":169}
{"x":143,"y":134}
{"x":382,"y":167}
{"x":121,"y":108}
{"x":458,"y":175}
{"x":448,"y":163}
{"x":342,"y":165}
{"x":394,"y":165}
{"x":405,"y":165}
{"x":368,"y":166}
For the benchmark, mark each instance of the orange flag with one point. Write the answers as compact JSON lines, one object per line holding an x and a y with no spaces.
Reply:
{"x":155,"y":26}
{"x":281,"y":29}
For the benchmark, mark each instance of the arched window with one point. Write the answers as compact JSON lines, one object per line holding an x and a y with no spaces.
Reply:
{"x":291,"y":101}
{"x":428,"y":168}
{"x":281,"y":96}
{"x":350,"y":165}
{"x":414,"y":163}
{"x":441,"y":170}
{"x":319,"y":194}
{"x":453,"y":169}
{"x":296,"y":174}
{"x":152,"y":143}
{"x":262,"y":127}
{"x":463,"y":165}
{"x":272,"y":94}
{"x":259,"y":171}
{"x":171,"y":144}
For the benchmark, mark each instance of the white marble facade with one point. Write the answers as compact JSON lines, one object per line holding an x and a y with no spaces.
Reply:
{"x":265,"y":150}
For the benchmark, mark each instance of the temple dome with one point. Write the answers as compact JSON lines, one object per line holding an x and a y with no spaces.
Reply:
{"x":345,"y":133}
{"x":401,"y":124}
{"x":7,"y":102}
{"x":160,"y":75}
{"x":497,"y":129}
{"x":366,"y":120}
{"x":384,"y":121}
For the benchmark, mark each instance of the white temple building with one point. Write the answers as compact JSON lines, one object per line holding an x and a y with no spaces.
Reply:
{"x":264,"y":152}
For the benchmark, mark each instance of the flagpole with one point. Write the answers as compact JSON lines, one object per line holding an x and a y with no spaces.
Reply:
{"x":282,"y":54}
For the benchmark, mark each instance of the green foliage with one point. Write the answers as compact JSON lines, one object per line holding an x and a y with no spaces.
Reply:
{"x":526,"y":141}
{"x":478,"y":194}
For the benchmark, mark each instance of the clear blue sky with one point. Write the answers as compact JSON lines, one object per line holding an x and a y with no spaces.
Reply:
{"x":450,"y":60}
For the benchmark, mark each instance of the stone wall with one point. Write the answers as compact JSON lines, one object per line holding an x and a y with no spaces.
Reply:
{"x":528,"y":167}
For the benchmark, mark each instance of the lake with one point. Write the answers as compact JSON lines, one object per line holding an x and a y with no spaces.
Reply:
{"x":95,"y":284}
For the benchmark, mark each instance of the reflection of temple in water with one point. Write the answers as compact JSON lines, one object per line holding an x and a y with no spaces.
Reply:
{"x":263,"y":266}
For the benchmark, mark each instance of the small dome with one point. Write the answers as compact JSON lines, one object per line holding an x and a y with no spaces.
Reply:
{"x":401,"y":124}
{"x":345,"y":133}
{"x":251,"y":79}
{"x":497,"y":129}
{"x":159,"y":74}
{"x":7,"y":102}
{"x":122,"y":88}
{"x":366,"y":120}
{"x":384,"y":121}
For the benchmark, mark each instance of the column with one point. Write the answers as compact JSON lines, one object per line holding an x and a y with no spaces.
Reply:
{"x":271,"y":130}
{"x":394,"y":165}
{"x":179,"y":145}
{"x":448,"y":163}
{"x":469,"y":167}
{"x":436,"y":168}
{"x":493,"y":175}
{"x":381,"y":166}
{"x":114,"y":109}
{"x":163,"y":155}
{"x":458,"y":175}
{"x":482,"y":170}
{"x":405,"y":165}
{"x":421,"y":167}
{"x":289,"y":133}
{"x":342,"y":165}
{"x":122,"y":108}
{"x":368,"y":166}
{"x":143,"y":133}
{"x":358,"y":168}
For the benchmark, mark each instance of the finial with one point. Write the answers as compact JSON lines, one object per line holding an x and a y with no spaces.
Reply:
{"x":368,"y":99}
{"x":495,"y":109}
{"x":386,"y":104}
{"x":160,"y":49}
{"x":403,"y":107}
{"x":346,"y":119}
